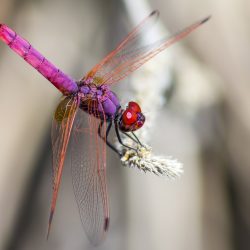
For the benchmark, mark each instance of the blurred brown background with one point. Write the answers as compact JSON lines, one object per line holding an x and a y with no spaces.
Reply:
{"x":205,"y":123}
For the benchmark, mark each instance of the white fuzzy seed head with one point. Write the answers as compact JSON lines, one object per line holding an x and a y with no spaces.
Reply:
{"x":145,"y":161}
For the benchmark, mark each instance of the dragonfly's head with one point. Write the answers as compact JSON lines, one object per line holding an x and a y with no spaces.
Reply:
{"x":131,"y":118}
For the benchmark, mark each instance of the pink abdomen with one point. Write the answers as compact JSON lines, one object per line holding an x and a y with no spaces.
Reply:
{"x":63,"y":82}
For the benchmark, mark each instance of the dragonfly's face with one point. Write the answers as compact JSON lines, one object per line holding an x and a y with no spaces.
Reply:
{"x":131,"y":118}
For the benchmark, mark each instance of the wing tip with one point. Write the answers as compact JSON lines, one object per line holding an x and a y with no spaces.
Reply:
{"x":96,"y":241}
{"x":106,"y":223}
{"x":50,"y":221}
{"x":155,"y":12}
{"x":205,"y":19}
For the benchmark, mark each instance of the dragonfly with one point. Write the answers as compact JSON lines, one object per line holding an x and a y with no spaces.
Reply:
{"x":86,"y":113}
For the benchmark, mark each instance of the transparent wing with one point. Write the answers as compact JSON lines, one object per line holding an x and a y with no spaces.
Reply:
{"x":119,"y":54}
{"x":88,"y":165}
{"x":61,"y":129}
{"x":132,"y":53}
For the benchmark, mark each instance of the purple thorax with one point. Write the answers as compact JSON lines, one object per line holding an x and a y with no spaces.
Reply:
{"x":107,"y":99}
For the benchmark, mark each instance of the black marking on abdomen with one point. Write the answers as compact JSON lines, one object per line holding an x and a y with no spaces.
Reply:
{"x":13,"y":40}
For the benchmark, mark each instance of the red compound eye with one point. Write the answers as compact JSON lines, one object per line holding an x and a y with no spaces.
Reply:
{"x":134,"y":106}
{"x":129,"y":117}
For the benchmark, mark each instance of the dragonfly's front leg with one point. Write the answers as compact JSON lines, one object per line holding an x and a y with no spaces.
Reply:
{"x":106,"y":139}
{"x":135,"y":138}
{"x":120,"y":139}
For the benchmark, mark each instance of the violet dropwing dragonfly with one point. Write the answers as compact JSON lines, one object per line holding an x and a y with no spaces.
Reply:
{"x":86,"y":113}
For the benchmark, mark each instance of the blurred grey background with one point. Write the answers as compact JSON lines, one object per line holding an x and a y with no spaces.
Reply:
{"x":205,"y":123}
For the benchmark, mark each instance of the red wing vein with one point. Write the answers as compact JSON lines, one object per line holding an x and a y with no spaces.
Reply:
{"x":61,"y":129}
{"x":132,"y":53}
{"x":89,"y":173}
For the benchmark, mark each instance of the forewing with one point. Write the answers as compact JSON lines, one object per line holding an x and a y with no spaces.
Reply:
{"x":133,"y":53}
{"x":120,"y":53}
{"x":61,"y":130}
{"x":88,"y":165}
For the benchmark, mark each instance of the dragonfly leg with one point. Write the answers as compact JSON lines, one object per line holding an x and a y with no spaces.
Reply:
{"x":120,"y":139}
{"x":130,"y":137}
{"x":137,"y":139}
{"x":106,"y":139}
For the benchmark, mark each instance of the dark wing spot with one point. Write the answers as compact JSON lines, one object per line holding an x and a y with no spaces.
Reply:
{"x":155,"y":12}
{"x":106,"y":224}
{"x":205,"y":19}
